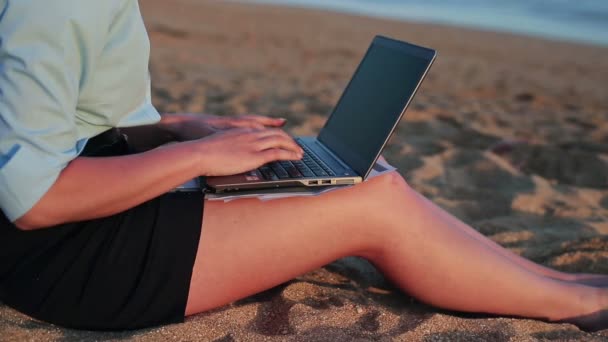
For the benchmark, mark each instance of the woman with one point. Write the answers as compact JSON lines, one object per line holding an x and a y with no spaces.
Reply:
{"x":92,"y":237}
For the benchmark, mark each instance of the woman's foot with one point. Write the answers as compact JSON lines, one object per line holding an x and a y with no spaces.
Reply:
{"x":595,"y":314}
{"x":592,"y":322}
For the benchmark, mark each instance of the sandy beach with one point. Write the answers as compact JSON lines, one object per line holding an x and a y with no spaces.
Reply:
{"x":508,"y":133}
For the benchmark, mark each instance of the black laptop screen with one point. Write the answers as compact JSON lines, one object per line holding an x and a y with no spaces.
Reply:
{"x":374,"y":100}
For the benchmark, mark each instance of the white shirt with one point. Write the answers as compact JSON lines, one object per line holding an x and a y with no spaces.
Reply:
{"x":69,"y":70}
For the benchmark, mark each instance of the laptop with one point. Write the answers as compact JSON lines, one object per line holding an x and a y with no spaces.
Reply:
{"x":358,"y":128}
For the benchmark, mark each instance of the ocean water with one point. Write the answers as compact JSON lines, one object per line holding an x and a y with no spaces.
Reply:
{"x":583,"y":21}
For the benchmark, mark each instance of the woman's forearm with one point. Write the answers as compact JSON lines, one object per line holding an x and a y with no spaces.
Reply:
{"x":90,"y":188}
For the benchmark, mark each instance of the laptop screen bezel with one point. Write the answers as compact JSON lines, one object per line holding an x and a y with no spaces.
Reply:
{"x":414,"y":50}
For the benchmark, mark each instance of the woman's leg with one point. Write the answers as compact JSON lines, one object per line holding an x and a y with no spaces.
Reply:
{"x":590,"y":279}
{"x":248,"y":246}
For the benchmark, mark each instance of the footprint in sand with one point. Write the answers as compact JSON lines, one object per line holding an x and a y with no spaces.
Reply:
{"x":567,"y":166}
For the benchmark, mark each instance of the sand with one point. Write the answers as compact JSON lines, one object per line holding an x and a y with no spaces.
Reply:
{"x":508,"y":133}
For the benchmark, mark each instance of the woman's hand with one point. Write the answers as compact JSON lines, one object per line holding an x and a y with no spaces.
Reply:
{"x":239,"y":150}
{"x":195,"y":126}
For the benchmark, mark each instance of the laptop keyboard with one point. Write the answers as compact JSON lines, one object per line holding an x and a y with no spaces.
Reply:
{"x":309,"y":166}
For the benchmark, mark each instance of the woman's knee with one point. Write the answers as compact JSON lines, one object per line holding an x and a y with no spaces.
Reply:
{"x":394,"y":179}
{"x":388,"y":185}
{"x":385,"y":194}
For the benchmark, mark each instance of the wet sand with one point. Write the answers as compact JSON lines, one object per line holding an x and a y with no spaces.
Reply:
{"x":508,"y":133}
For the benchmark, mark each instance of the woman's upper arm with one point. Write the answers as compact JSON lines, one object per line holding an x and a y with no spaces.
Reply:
{"x":41,"y":60}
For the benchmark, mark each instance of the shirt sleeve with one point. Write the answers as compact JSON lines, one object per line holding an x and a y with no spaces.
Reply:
{"x":41,"y":56}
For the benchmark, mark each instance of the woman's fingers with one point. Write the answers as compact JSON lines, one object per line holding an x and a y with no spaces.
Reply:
{"x":239,"y":123}
{"x":274,"y":154}
{"x":278,"y":141}
{"x":283,"y":137}
{"x":262,"y":120}
{"x":270,"y":132}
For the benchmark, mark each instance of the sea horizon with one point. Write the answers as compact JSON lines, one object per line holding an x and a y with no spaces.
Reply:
{"x":583,"y":21}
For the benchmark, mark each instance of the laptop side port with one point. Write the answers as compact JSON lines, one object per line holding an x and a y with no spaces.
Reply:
{"x":326,"y":182}
{"x":313,"y":182}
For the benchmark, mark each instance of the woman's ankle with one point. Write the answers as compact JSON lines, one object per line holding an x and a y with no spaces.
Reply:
{"x":590,"y":311}
{"x":592,"y":300}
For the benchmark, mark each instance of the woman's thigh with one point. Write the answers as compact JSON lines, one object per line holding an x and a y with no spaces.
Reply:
{"x":248,"y":246}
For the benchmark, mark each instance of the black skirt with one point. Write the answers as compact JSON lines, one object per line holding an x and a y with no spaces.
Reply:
{"x":127,"y":271}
